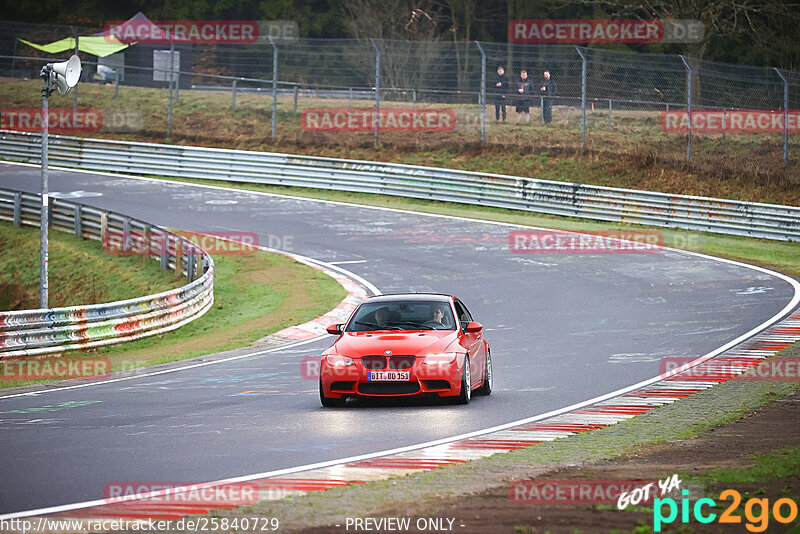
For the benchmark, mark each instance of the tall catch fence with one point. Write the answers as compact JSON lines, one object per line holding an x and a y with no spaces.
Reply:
{"x":655,"y":108}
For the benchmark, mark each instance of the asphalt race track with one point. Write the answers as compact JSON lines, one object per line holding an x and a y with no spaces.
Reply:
{"x":563,"y":329}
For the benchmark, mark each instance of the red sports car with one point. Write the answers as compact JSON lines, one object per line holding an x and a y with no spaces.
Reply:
{"x":406,"y":345}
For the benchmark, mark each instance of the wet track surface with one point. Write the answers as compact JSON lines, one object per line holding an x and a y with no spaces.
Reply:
{"x":563,"y":329}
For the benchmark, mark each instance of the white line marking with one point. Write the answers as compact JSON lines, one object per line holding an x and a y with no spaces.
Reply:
{"x":346,"y":262}
{"x":786,"y":309}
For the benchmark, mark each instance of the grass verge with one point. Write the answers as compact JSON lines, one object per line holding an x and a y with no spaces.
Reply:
{"x":80,"y":272}
{"x":254,"y":295}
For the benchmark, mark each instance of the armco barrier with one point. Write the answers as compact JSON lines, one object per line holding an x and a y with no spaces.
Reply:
{"x":34,"y":332}
{"x":544,"y":196}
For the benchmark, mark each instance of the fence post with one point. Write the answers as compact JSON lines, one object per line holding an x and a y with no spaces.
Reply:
{"x":171,"y":76}
{"x":785,"y":118}
{"x":583,"y":97}
{"x":274,"y":87}
{"x":294,"y":107}
{"x":164,"y":251}
{"x":375,"y":120}
{"x":17,"y":209}
{"x":116,"y":85}
{"x":126,"y":232}
{"x":724,"y":119}
{"x":349,"y":99}
{"x":609,"y":113}
{"x":414,"y":100}
{"x":482,"y":97}
{"x":78,"y":221}
{"x":190,"y":268}
{"x":688,"y":106}
{"x":75,"y":89}
{"x":233,"y":95}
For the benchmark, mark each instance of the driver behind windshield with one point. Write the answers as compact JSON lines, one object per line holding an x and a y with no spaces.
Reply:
{"x":382,"y":316}
{"x":435,"y":322}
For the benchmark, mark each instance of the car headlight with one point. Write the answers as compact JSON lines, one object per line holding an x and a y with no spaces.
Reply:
{"x":441,"y":358}
{"x":337,"y":360}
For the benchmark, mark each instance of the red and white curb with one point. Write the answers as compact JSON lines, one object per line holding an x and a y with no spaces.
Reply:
{"x":720,"y":368}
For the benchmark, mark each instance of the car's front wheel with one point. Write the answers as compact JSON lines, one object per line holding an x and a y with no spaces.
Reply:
{"x":329,"y":402}
{"x":466,"y":380}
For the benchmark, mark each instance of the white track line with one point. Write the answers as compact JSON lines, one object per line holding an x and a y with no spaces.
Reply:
{"x":786,"y":309}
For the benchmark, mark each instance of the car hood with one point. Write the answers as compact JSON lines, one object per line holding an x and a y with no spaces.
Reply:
{"x":357,"y":344}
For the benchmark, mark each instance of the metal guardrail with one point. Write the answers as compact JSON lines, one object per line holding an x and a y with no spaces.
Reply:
{"x":771,"y":221}
{"x":43,"y":331}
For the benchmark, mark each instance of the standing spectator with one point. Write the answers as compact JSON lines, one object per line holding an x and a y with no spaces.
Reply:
{"x":524,"y":90}
{"x":500,"y":90}
{"x":548,"y":90}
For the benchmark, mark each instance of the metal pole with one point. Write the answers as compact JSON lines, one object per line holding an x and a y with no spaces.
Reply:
{"x":349,"y":99}
{"x":14,"y":58}
{"x":116,"y":85}
{"x":688,"y":107}
{"x":274,"y":87}
{"x":414,"y":100}
{"x":75,"y":89}
{"x":482,"y":97}
{"x":785,"y":118}
{"x":583,"y":97}
{"x":724,"y":117}
{"x":43,"y":244}
{"x":375,"y":119}
{"x":294,"y":105}
{"x":233,"y":95}
{"x":171,"y":69}
{"x":609,"y":113}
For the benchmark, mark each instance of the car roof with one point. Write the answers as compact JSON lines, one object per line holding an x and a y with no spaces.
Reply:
{"x":437,"y":297}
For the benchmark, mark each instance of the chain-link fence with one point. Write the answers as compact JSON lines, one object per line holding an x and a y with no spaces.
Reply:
{"x":723,"y":119}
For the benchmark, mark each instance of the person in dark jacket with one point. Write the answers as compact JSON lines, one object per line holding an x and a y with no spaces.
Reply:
{"x":524,"y":91}
{"x":548,"y":90}
{"x":499,"y":89}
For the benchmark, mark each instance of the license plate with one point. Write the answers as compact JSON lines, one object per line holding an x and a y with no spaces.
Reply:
{"x":388,"y":376}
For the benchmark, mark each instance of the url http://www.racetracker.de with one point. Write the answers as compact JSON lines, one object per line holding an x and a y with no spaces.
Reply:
{"x":198,"y":524}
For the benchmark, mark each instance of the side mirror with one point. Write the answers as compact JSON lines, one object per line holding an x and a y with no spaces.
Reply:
{"x":335,"y":329}
{"x":472,"y":326}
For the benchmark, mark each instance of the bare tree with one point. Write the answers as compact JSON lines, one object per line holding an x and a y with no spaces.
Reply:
{"x":756,"y":19}
{"x":406,"y":32}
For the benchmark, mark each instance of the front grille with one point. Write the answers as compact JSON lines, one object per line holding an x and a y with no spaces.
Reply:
{"x":373,"y":362}
{"x":343,"y":385}
{"x":388,"y":388}
{"x":436,"y":384}
{"x":401,"y":362}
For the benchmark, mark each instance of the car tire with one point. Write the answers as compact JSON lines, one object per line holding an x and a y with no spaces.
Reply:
{"x":466,"y":378}
{"x":328,"y":402}
{"x":486,"y":387}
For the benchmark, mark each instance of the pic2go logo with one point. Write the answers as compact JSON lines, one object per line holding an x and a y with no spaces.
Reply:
{"x":756,"y":522}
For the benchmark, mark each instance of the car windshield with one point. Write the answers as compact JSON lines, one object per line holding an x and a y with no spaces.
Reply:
{"x":402,"y":315}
